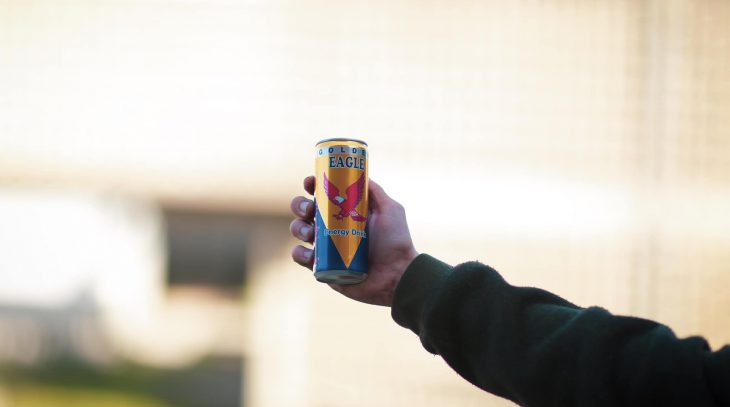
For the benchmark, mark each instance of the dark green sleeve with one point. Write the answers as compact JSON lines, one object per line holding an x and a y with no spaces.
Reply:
{"x":537,"y":349}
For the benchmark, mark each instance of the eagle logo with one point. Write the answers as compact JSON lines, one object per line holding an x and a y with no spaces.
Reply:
{"x":348,"y":203}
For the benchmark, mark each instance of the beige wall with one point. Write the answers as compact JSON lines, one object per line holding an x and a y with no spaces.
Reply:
{"x":583,"y":147}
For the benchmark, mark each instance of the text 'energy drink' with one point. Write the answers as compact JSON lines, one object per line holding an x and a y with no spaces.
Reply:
{"x":341,"y":211}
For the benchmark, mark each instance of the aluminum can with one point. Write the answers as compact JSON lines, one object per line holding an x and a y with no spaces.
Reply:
{"x":341,"y":211}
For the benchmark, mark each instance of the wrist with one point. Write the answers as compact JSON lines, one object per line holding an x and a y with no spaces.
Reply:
{"x":404,"y":260}
{"x":399,"y":267}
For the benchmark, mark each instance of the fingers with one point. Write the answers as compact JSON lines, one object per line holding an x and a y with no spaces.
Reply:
{"x":302,"y":230}
{"x":302,"y":207}
{"x":309,"y":184}
{"x":303,"y":256}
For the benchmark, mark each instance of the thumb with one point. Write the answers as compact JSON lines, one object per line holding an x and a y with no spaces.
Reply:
{"x":377,"y":196}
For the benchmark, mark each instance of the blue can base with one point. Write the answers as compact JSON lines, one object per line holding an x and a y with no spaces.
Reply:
{"x":343,"y":277}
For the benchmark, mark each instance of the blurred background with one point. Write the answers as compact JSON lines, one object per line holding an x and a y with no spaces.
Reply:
{"x":149,"y":151}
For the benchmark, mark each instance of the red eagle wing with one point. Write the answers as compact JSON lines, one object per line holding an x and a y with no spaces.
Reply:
{"x":355,"y":192}
{"x":331,"y":190}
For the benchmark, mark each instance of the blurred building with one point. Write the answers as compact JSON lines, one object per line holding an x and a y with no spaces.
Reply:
{"x":149,"y":150}
{"x":33,"y":335}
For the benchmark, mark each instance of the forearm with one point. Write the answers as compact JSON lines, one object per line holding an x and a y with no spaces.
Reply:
{"x":535,"y":348}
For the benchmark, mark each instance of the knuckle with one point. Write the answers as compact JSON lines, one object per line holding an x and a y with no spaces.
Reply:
{"x":295,"y":254}
{"x":294,"y":226}
{"x":294,"y":205}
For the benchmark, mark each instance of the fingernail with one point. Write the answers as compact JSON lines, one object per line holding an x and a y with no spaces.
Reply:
{"x":308,"y":255}
{"x":303,"y":206}
{"x":304,"y":231}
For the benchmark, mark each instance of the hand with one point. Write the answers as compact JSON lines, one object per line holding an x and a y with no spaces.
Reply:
{"x":390,"y":252}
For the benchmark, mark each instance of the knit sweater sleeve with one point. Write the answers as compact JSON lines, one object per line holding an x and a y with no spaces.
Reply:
{"x":537,"y":349}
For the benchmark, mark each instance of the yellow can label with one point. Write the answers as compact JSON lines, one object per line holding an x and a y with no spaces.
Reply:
{"x":341,"y":196}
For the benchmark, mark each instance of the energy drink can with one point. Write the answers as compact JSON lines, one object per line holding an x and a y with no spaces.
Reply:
{"x":341,"y":211}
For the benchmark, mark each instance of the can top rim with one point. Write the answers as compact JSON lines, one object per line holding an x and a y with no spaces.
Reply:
{"x":341,"y":139}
